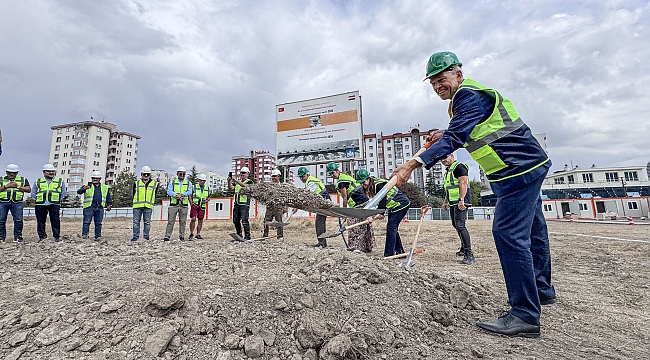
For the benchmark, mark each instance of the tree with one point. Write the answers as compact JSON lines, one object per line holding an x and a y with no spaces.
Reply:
{"x":434,"y":201}
{"x":475,"y":187}
{"x":412,"y":191}
{"x":161,"y":193}
{"x":194,"y":176}
{"x":217,"y":194}
{"x":71,"y":201}
{"x":122,"y":192}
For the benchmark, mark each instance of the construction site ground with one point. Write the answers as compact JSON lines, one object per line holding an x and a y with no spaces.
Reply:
{"x":283,"y":299}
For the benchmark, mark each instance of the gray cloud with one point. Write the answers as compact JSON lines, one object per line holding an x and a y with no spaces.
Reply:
{"x":199,"y":81}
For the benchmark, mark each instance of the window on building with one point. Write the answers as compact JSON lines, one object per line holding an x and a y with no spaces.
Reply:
{"x":68,"y":129}
{"x":548,"y":207}
{"x":67,"y":137}
{"x":371,"y":154}
{"x":65,"y":154}
{"x":97,"y":137}
{"x":370,"y":140}
{"x":100,"y":130}
{"x":98,"y":146}
{"x":631,"y":176}
{"x":63,"y":163}
{"x":56,"y":156}
{"x":58,"y":131}
{"x":57,"y":148}
{"x":370,"y":147}
{"x":611,"y":176}
{"x":372,"y":162}
{"x":387,"y":141}
{"x":583,"y":207}
{"x":58,"y":139}
{"x":559,"y":180}
{"x":408,"y":154}
{"x":570,"y":179}
{"x":588,"y":178}
{"x":406,"y":146}
{"x":388,"y":148}
{"x":66,"y":146}
{"x":372,"y":169}
{"x":321,"y":166}
{"x":55,"y":164}
{"x":632,"y":205}
{"x":390,"y":163}
{"x":390,"y":156}
{"x":322,"y":173}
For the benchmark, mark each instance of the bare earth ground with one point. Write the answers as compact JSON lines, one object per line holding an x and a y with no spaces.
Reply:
{"x":211,"y":299}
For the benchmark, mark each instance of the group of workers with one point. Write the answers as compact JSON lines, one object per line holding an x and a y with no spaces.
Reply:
{"x":482,"y":121}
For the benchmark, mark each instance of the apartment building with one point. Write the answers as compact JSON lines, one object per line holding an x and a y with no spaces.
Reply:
{"x":78,"y":149}
{"x":216,"y":182}
{"x":161,"y":176}
{"x":260,"y":164}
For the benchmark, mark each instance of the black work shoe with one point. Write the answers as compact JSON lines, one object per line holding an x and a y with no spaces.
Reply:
{"x":198,"y":237}
{"x":2,"y":240}
{"x":166,"y":239}
{"x":19,"y":239}
{"x":548,"y":301}
{"x":85,"y":237}
{"x":190,"y":237}
{"x":460,"y":252}
{"x":181,"y":238}
{"x":468,"y":259}
{"x":57,"y":239}
{"x":510,"y":325}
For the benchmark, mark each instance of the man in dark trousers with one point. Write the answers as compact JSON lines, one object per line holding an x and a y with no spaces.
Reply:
{"x":48,"y":192}
{"x":487,"y":125}
{"x":96,"y":198}
{"x":241,"y":207}
{"x":457,"y":200}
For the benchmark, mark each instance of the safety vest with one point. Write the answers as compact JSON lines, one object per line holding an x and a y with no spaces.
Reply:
{"x":503,"y":121}
{"x":357,"y":198}
{"x":452,"y":186}
{"x":145,"y":194}
{"x":352,"y":184}
{"x":180,"y":189}
{"x":241,"y":199}
{"x":199,"y":197}
{"x":12,"y":194}
{"x":90,"y":193}
{"x":48,"y":192}
{"x":320,"y":185}
{"x":390,"y":203}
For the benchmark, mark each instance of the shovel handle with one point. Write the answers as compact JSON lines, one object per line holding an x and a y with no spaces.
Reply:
{"x":418,"y":251}
{"x":355,"y":225}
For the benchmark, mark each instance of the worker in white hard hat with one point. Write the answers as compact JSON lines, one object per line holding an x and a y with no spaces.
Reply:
{"x":144,"y":197}
{"x":96,"y":198}
{"x":274,"y":213}
{"x":179,"y":191}
{"x":198,"y":202}
{"x":48,"y":192}
{"x":12,"y":189}
{"x":241,"y":207}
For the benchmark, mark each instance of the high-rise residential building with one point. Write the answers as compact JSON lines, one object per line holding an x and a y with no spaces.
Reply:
{"x":216,"y":182}
{"x":161,"y":177}
{"x":78,"y":149}
{"x":384,"y":153}
{"x":260,"y":164}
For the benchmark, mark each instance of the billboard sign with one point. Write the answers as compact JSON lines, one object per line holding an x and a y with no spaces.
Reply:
{"x":319,"y":130}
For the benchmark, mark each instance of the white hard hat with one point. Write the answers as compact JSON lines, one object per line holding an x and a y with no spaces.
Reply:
{"x":203,"y":177}
{"x":96,"y":174}
{"x":12,"y":168}
{"x":244,"y":170}
{"x":48,"y":167}
{"x":145,"y":170}
{"x":275,"y":172}
{"x":181,"y":169}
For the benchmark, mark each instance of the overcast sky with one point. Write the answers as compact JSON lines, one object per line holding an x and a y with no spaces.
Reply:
{"x":199,"y":80}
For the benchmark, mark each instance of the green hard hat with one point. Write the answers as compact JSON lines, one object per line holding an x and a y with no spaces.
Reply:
{"x":331,"y":166}
{"x":440,"y":61}
{"x":302,"y":171}
{"x":361,"y":175}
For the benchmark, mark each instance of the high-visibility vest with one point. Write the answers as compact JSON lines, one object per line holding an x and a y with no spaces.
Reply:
{"x":357,"y":198}
{"x":180,"y":189}
{"x":145,"y":194}
{"x":390,"y":203}
{"x":199,"y":197}
{"x":320,"y":185}
{"x":242,"y":199}
{"x":48,"y":192}
{"x":503,"y":121}
{"x":12,"y":194}
{"x":452,"y":186}
{"x":90,"y":193}
{"x":352,"y":184}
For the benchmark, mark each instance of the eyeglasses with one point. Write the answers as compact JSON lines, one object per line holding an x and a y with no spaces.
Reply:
{"x":145,"y":174}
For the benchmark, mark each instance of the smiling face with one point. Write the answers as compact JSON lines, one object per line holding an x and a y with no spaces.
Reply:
{"x":446,"y":83}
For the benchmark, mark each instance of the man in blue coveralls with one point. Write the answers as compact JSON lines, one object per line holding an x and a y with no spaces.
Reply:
{"x":488,"y":126}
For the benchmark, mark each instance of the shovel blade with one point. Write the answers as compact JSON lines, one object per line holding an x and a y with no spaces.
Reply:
{"x":237,"y":237}
{"x":351,"y":212}
{"x":409,"y":262}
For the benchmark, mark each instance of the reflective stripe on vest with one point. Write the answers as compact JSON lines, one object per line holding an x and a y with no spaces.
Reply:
{"x":241,"y":199}
{"x":198,"y":196}
{"x":48,"y":192}
{"x":12,"y":194}
{"x":180,"y":189}
{"x":319,"y":183}
{"x":452,"y":185}
{"x":503,"y":121}
{"x":390,"y":203}
{"x":144,"y":196}
{"x":90,"y":193}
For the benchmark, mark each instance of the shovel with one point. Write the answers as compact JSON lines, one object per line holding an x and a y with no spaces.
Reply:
{"x":277,"y":224}
{"x":342,"y":229}
{"x":372,"y":204}
{"x":418,"y":251}
{"x":409,"y":262}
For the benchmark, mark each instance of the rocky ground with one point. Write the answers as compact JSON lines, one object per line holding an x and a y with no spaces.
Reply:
{"x":211,"y":299}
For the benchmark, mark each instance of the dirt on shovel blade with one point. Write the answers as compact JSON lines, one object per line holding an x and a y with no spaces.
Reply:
{"x":281,"y":195}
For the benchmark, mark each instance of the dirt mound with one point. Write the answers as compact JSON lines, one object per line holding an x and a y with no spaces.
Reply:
{"x":194,"y":301}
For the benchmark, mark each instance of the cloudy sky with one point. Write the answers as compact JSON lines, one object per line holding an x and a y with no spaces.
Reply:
{"x":199,"y":80}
